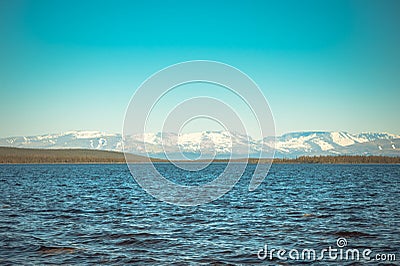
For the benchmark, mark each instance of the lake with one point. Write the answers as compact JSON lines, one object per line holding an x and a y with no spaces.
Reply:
{"x":97,"y":214}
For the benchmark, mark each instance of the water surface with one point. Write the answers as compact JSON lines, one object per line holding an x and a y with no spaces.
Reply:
{"x":97,"y":214}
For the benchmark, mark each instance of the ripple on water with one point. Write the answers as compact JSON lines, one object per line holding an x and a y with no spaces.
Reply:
{"x":97,"y":214}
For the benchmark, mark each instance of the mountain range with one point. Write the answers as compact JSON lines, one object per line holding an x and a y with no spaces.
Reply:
{"x":219,"y":143}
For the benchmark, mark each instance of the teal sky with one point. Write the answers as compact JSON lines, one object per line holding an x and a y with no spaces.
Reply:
{"x":322,"y":65}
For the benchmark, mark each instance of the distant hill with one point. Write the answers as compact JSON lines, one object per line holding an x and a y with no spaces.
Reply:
{"x":18,"y":155}
{"x":290,"y":145}
{"x":48,"y":156}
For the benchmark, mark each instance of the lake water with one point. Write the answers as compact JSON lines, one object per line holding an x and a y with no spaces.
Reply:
{"x":97,"y":214}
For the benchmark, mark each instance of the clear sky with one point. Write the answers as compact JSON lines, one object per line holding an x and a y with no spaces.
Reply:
{"x":323,"y":65}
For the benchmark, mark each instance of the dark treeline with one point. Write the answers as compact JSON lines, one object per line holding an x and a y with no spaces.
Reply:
{"x":339,"y":159}
{"x":25,"y":156}
{"x":342,"y":159}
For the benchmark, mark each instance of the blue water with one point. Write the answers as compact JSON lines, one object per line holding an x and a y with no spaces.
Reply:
{"x":97,"y":214}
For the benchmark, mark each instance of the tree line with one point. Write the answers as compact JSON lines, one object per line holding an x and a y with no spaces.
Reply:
{"x":341,"y":159}
{"x":22,"y":156}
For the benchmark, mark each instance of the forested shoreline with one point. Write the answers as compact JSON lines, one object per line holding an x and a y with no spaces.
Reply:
{"x":10,"y":155}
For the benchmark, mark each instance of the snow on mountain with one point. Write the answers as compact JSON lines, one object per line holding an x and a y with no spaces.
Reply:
{"x":346,"y":139}
{"x":71,"y":139}
{"x":342,"y":138}
{"x":219,"y":143}
{"x":330,"y":143}
{"x":209,"y":143}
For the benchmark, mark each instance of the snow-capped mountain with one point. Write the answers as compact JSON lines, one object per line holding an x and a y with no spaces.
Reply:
{"x":71,"y":139}
{"x":218,"y":143}
{"x":209,"y":144}
{"x":336,"y":143}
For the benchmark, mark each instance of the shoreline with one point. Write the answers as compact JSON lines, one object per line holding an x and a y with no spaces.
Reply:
{"x":166,"y":162}
{"x":9,"y":155}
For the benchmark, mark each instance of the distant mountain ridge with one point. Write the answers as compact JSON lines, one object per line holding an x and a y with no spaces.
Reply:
{"x":220,"y":143}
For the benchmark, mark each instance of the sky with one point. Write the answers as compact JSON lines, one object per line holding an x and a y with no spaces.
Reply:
{"x":322,"y":65}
